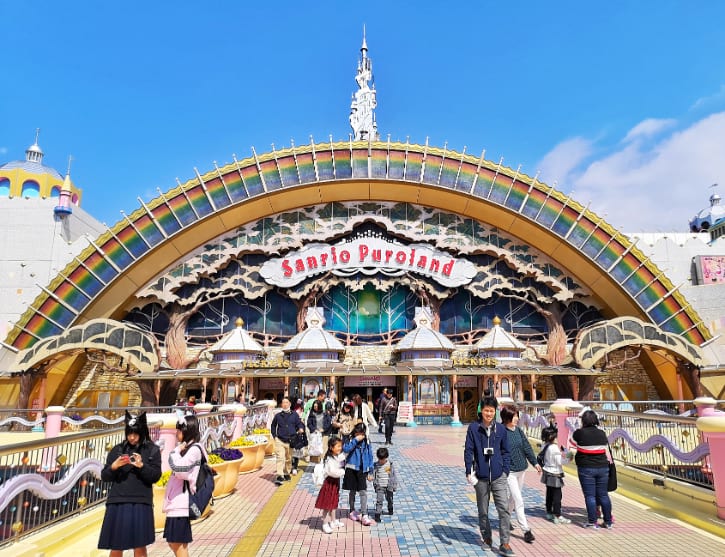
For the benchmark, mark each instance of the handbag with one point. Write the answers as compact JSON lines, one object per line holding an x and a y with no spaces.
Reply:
{"x":612,"y":481}
{"x":299,"y":441}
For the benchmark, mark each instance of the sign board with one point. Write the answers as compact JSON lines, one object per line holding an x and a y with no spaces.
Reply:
{"x":272,"y":383}
{"x":366,"y":255}
{"x":370,"y":381}
{"x":405,"y":412}
{"x":466,"y":381}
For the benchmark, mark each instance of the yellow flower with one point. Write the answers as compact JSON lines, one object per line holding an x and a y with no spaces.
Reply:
{"x":164,"y":479}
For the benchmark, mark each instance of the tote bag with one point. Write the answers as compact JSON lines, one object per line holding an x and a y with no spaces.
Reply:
{"x":612,"y":482}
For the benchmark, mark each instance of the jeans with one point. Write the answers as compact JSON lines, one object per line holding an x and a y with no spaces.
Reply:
{"x":380,"y":494}
{"x":500,"y":490}
{"x":594,"y":486}
{"x":389,"y":424}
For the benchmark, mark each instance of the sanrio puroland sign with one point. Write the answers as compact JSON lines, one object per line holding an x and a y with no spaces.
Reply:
{"x":368,"y":255}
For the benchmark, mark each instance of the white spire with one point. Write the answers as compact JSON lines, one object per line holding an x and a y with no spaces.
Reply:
{"x":362,"y":115}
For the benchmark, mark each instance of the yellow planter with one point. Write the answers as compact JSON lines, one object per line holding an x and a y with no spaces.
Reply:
{"x":160,"y":515}
{"x":226,"y":479}
{"x":261,"y":451}
{"x":249,"y":462}
{"x":269,"y":448}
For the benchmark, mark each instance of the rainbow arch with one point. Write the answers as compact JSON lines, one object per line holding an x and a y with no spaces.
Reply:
{"x":159,"y":233}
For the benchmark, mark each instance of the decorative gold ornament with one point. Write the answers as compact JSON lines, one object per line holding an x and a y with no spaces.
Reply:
{"x":82,"y":501}
{"x":17,"y":527}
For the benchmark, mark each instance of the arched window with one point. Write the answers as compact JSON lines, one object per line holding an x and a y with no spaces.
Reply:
{"x":31,"y":189}
{"x":4,"y":187}
{"x":505,"y":387}
{"x":55,"y":191}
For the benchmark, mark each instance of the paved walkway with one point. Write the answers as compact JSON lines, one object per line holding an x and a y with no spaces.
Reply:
{"x":435,"y":514}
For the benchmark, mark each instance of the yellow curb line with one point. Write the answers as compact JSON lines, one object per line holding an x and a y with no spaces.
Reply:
{"x":252,"y":540}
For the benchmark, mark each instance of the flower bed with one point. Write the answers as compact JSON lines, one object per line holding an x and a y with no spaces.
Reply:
{"x":253,"y":447}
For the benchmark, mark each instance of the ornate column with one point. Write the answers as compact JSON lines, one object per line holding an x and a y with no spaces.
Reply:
{"x":456,"y":418}
{"x":167,"y":438}
{"x":561,"y":408}
{"x":53,"y":415}
{"x":239,"y":412}
{"x":711,"y":423}
{"x":411,"y":419}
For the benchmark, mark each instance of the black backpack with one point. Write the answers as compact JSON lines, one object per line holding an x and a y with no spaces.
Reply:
{"x":199,"y":501}
{"x":542,"y":455}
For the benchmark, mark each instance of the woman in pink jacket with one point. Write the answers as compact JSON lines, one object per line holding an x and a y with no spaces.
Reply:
{"x":184,"y":462}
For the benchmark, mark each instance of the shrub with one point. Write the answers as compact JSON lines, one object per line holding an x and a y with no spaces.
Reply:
{"x":164,"y":479}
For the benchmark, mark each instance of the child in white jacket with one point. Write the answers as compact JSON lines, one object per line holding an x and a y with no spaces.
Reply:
{"x":553,"y":476}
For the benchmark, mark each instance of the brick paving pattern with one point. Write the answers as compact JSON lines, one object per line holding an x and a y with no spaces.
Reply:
{"x":435,"y":514}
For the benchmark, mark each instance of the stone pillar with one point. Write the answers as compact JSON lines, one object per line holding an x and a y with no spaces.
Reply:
{"x":411,"y":419}
{"x":711,"y":423}
{"x":561,"y":408}
{"x":239,"y":412}
{"x":53,"y":415}
{"x":167,"y":438}
{"x":456,"y":418}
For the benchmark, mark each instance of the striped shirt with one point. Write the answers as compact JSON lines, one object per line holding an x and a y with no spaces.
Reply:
{"x":591,"y":447}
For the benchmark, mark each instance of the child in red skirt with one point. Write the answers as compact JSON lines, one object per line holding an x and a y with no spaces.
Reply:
{"x":329,"y":496}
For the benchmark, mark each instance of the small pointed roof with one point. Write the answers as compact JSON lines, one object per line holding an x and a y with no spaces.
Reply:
{"x":498,"y":339}
{"x":424,"y":337}
{"x":237,"y":340}
{"x":314,"y":338}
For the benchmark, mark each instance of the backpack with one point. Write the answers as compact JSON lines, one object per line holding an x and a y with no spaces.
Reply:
{"x":318,"y":474}
{"x":541,"y":457}
{"x":202,"y":498}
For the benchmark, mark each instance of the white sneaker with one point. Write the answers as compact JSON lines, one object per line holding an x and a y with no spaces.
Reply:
{"x":326,"y":528}
{"x":294,"y":471}
{"x":338,"y":524}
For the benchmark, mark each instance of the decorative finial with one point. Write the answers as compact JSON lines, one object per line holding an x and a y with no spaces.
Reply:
{"x":362,"y":107}
{"x":70,"y":159}
{"x":37,"y":133}
{"x":496,"y":321}
{"x":239,"y":322}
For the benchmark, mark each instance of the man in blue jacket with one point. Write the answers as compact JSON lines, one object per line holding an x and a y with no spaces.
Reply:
{"x":488,"y":463}
{"x":285,"y":425}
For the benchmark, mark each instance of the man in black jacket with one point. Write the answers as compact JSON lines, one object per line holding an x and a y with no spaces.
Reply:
{"x":285,"y":425}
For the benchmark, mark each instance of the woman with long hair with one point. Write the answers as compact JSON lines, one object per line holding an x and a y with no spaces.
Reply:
{"x":133,"y":466}
{"x":184,"y":461}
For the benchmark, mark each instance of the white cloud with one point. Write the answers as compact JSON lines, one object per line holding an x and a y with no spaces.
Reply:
{"x":653,"y":186}
{"x":648,"y":128}
{"x":563,"y":159}
{"x":714,"y":99}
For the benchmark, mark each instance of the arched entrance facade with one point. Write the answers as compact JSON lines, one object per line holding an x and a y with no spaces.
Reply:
{"x":533,"y":253}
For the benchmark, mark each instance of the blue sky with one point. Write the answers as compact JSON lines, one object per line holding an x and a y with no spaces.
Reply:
{"x":620,"y":102}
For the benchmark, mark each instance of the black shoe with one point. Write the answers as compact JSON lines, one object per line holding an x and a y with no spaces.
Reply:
{"x":512,"y":527}
{"x":287,"y":477}
{"x":488,"y":542}
{"x":279,"y":480}
{"x":390,"y":511}
{"x":529,"y":536}
{"x":377,"y":517}
{"x":505,"y":550}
